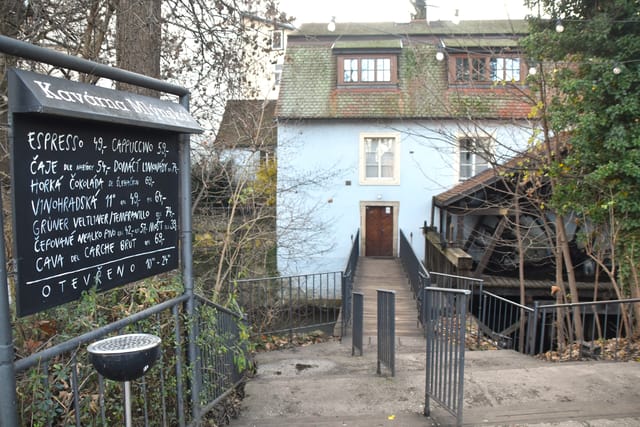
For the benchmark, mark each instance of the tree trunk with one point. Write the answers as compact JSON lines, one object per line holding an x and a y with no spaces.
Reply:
{"x":139,"y":40}
{"x":523,"y":299}
{"x":560,"y":314}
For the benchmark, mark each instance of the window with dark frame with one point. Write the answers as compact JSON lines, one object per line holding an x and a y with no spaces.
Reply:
{"x":486,"y":68}
{"x":277,"y":40}
{"x":367,"y":69}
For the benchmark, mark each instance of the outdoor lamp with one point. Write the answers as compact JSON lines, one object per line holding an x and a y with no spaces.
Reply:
{"x":456,"y":17}
{"x":559,"y":26}
{"x":332,"y":24}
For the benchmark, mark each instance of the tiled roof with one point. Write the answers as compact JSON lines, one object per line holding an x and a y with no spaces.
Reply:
{"x":309,"y":90}
{"x":248,"y":124}
{"x":528,"y":160}
{"x":415,"y":28}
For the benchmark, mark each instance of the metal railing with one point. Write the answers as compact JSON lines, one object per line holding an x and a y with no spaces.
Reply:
{"x":445,"y":317}
{"x":68,"y":391}
{"x":606,"y":327}
{"x":417,"y":273}
{"x":386,"y":330}
{"x":285,"y":305}
{"x":503,"y":322}
{"x":357,"y":329}
{"x":222,"y":357}
{"x":550,"y":328}
{"x":347,"y":283}
{"x":471,"y":284}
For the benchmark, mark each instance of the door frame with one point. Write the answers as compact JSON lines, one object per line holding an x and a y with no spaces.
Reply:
{"x":363,"y":223}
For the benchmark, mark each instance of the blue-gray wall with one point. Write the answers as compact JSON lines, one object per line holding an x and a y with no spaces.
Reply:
{"x":318,"y":213}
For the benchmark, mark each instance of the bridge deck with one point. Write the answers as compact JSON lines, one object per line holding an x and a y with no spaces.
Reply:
{"x":386,"y":274}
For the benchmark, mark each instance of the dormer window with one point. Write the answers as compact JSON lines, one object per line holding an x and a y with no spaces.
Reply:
{"x":480,"y":68}
{"x":367,"y":63}
{"x":367,"y":69}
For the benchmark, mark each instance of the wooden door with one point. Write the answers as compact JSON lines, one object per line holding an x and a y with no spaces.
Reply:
{"x":379,"y":231}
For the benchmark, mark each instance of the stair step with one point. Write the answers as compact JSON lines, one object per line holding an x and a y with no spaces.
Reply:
{"x":373,"y":274}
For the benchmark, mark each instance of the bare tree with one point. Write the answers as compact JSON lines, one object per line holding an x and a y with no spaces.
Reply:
{"x":138,"y":39}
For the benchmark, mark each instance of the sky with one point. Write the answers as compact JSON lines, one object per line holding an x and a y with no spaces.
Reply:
{"x":399,"y":10}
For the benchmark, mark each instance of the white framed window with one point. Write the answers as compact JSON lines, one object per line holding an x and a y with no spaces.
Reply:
{"x":380,"y":159}
{"x":277,"y":74}
{"x":473,"y":155}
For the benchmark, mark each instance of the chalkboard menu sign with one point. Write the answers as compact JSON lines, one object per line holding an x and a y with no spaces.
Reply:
{"x":96,"y":204}
{"x":95,"y":187}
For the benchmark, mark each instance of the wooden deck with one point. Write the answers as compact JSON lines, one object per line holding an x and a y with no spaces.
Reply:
{"x":386,"y":274}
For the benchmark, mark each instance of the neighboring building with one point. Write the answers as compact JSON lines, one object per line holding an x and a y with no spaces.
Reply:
{"x":247,"y":135}
{"x":263,"y":77}
{"x":371,"y":126}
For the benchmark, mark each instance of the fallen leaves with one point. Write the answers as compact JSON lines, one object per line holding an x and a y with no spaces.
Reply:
{"x":278,"y":342}
{"x":618,"y":349}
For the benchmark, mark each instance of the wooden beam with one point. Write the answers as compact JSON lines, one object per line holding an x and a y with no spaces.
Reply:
{"x":479,"y":211}
{"x":488,"y":251}
{"x":460,"y":260}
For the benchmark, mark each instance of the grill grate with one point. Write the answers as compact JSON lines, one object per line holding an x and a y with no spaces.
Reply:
{"x":124,"y":344}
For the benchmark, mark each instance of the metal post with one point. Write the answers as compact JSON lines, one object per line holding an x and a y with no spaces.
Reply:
{"x":8,"y":403}
{"x":127,"y":404}
{"x":290,"y":311}
{"x":533,"y":329}
{"x":187,"y":258}
{"x":461,"y":350}
{"x":428,"y":328}
{"x":358,"y":323}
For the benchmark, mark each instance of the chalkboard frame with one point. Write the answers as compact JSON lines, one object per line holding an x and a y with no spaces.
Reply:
{"x":53,"y":264}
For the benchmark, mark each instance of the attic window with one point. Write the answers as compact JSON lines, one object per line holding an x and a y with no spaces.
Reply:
{"x":367,"y":62}
{"x":367,"y":69}
{"x":480,"y":68}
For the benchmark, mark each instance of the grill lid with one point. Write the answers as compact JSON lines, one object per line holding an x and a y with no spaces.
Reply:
{"x":128,"y":343}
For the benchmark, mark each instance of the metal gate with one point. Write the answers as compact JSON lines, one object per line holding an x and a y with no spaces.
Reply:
{"x":445,"y":312}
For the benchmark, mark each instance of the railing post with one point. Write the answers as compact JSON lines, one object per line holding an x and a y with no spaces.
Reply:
{"x":343,"y":291}
{"x":357,"y":330}
{"x":291,"y":323}
{"x":483,"y":320}
{"x":386,"y":330}
{"x":430,"y":336}
{"x":533,"y":329}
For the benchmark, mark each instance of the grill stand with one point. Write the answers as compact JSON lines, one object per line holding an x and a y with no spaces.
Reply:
{"x":125,"y":358}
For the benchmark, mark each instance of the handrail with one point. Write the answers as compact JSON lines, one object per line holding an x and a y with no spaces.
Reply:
{"x":508,"y":301}
{"x":588,"y":303}
{"x":70,"y":345}
{"x":218,"y":307}
{"x":26,"y":50}
{"x":419,"y":277}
